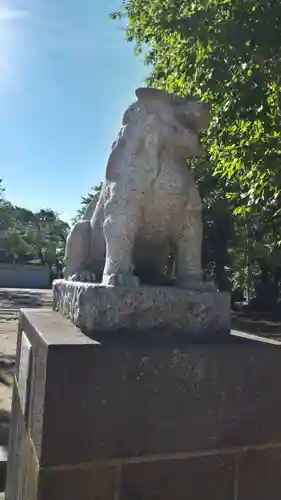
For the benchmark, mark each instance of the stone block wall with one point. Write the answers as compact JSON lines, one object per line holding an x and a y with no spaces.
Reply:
{"x":24,"y":276}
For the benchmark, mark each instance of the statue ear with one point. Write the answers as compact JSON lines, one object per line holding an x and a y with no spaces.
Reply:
{"x":149,"y":94}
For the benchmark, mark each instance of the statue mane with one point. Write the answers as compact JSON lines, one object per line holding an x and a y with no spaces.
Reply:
{"x":149,"y":102}
{"x":154,"y":113}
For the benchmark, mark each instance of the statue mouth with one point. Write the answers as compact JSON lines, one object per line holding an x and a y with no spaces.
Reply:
{"x":196,"y":125}
{"x":189,"y":125}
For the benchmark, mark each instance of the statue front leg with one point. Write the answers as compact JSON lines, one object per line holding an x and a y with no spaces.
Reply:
{"x":120,"y":227}
{"x":189,"y":258}
{"x":189,"y":266}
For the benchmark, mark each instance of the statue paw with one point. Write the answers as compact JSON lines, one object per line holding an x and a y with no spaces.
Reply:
{"x":84,"y":277}
{"x":120,"y":279}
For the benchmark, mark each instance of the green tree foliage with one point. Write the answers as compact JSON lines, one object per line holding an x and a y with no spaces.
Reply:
{"x":27,"y":237}
{"x":227,"y":52}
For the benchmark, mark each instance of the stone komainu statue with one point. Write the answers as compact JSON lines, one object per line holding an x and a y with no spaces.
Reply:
{"x":149,"y":200}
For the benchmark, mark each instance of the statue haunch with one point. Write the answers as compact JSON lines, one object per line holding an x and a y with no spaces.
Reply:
{"x":149,"y":199}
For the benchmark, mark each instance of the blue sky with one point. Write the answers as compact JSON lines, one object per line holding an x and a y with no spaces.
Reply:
{"x":66,"y":75}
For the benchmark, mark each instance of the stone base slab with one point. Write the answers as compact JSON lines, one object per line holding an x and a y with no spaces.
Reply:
{"x":97,"y":308}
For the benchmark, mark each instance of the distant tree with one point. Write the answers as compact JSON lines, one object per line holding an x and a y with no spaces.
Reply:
{"x":16,"y":245}
{"x":2,"y":191}
{"x":6,"y":215}
{"x":31,"y":237}
{"x":47,"y":237}
{"x":86,"y":200}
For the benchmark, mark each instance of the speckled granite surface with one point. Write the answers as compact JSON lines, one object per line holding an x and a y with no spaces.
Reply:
{"x":94,"y":307}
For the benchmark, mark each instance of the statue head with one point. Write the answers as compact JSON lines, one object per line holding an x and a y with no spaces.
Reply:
{"x":191,"y":113}
{"x":180,"y":120}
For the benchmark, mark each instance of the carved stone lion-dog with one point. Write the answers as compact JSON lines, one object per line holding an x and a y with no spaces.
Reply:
{"x":149,"y":200}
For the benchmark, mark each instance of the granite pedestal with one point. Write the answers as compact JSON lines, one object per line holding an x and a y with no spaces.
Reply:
{"x":137,"y":310}
{"x":142,"y":420}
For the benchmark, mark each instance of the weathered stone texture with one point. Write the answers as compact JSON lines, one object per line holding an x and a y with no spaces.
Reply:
{"x":149,"y":203}
{"x":144,"y":421}
{"x":97,"y":308}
